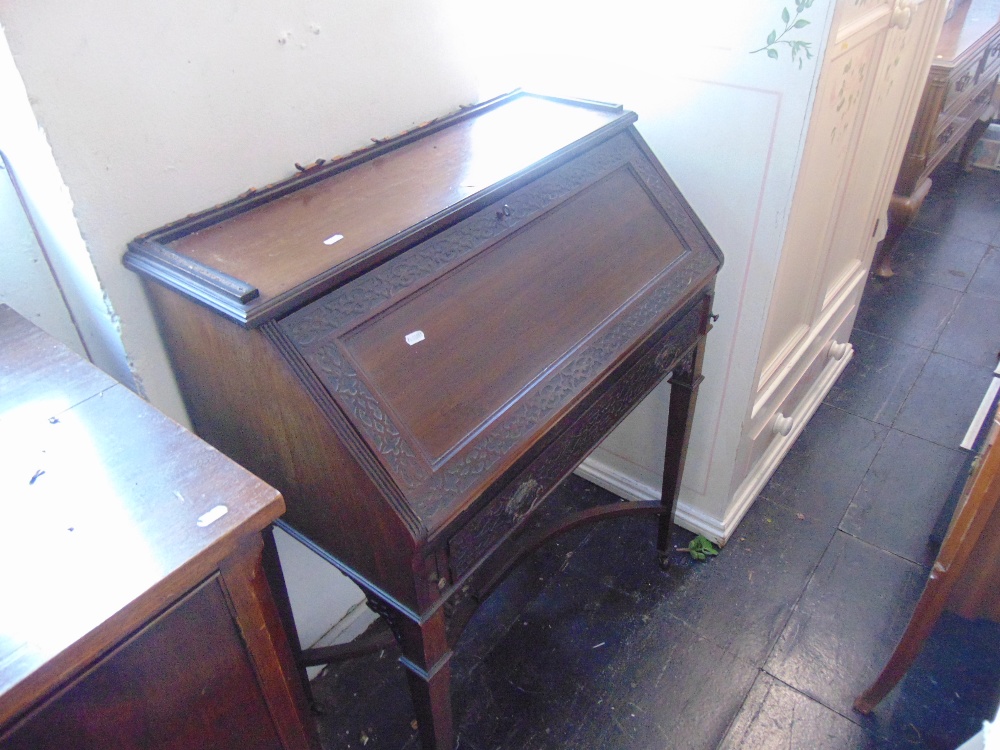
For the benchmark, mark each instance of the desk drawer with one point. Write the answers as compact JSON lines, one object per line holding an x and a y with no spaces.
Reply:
{"x":961,"y":83}
{"x":952,"y":127}
{"x":579,"y":435}
{"x":991,"y":60}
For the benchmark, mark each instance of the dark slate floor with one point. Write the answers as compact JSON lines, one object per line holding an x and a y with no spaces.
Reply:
{"x":589,"y":646}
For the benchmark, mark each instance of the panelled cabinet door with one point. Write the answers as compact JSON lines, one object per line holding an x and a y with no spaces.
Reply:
{"x":184,"y":682}
{"x":872,"y":76}
{"x":873,"y":72}
{"x":844,"y":86}
{"x":876,"y":156}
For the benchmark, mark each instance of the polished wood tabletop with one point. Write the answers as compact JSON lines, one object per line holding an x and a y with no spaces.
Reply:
{"x":110,"y":512}
{"x":969,"y":26}
{"x":289,"y":241}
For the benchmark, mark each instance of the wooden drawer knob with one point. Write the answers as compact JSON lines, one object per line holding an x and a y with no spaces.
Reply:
{"x":782,"y":425}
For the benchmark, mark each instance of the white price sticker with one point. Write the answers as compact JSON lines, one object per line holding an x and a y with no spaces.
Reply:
{"x":210,"y":517}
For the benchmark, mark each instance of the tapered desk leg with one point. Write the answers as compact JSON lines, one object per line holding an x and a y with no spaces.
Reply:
{"x":684,"y":383}
{"x":276,"y":579}
{"x":426,"y":656}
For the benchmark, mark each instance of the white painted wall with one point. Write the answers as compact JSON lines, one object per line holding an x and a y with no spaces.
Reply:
{"x":156,"y":110}
{"x":28,"y":287}
{"x":27,"y":283}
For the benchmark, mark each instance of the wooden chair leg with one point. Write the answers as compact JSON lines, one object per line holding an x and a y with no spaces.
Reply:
{"x":925,"y":616}
{"x":979,"y":500}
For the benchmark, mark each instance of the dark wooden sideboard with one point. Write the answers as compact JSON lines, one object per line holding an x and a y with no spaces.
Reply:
{"x":135,"y":613}
{"x":959,"y":91}
{"x":418,"y":342}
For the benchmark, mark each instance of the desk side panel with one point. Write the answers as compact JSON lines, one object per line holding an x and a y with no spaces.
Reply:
{"x":185,"y":681}
{"x":244,"y":398}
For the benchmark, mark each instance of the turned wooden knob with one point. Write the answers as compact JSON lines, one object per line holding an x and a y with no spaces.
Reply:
{"x":782,"y":424}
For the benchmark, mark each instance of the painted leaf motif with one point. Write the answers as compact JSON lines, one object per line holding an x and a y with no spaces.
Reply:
{"x":785,"y":16}
{"x":773,"y":54}
{"x":772,"y":36}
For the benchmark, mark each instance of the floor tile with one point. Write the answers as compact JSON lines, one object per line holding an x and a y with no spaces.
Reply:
{"x":776,"y":716}
{"x":934,"y":258}
{"x":682,"y":700}
{"x":986,"y":281}
{"x":344,"y":695}
{"x":739,"y":600}
{"x":973,"y":332}
{"x":743,"y":598}
{"x":944,"y":400}
{"x":902,"y":494}
{"x":962,"y":205}
{"x":876,"y":380}
{"x":847,"y":622}
{"x":909,"y":311}
{"x":825,"y":466}
{"x":592,"y":662}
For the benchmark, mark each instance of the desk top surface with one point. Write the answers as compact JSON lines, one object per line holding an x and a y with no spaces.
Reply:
{"x":324,"y":224}
{"x":104,"y":504}
{"x":973,"y":21}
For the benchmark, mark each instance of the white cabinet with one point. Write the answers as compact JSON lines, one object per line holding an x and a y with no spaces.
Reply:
{"x":788,"y":308}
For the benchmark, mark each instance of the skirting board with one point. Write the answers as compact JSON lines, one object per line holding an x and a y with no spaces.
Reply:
{"x":629,"y":488}
{"x":689,"y":516}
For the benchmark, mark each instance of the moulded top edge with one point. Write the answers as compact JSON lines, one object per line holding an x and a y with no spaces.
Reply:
{"x":301,"y":232}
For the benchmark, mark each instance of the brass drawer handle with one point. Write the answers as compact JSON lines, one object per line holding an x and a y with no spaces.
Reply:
{"x":502,"y":212}
{"x":665,"y":358}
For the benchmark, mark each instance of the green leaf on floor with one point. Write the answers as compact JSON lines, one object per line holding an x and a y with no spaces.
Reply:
{"x":699,"y":548}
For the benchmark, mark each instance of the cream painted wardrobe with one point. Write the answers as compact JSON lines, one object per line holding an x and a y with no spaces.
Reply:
{"x":871,"y":82}
{"x":792,"y":327}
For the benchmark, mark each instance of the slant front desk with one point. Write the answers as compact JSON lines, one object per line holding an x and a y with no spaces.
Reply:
{"x":416,"y":343}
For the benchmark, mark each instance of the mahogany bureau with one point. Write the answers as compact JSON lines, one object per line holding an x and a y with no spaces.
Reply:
{"x":134,"y":610}
{"x":954,"y":109}
{"x":417,"y":342}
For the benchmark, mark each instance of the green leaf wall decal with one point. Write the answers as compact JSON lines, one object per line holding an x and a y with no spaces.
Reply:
{"x":799,"y":50}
